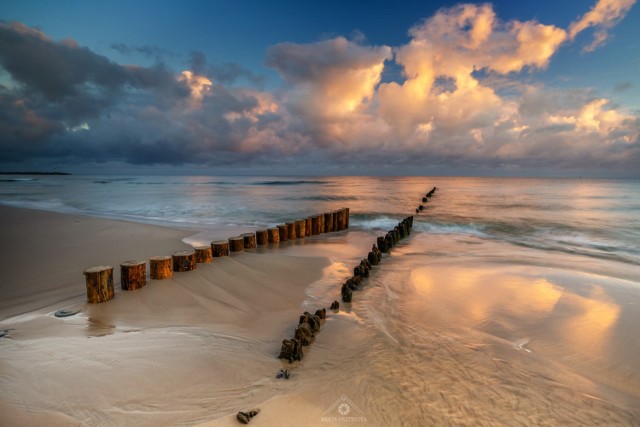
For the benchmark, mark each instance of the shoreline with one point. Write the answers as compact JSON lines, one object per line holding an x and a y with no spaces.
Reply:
{"x":195,"y":336}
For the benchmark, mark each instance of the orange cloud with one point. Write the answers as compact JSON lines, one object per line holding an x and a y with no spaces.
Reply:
{"x":603,"y":16}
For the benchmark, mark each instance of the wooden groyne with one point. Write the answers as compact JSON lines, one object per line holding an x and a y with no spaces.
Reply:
{"x":99,"y":280}
{"x":291,"y":349}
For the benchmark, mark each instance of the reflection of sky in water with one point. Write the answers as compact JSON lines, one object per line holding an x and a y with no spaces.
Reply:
{"x":512,"y":303}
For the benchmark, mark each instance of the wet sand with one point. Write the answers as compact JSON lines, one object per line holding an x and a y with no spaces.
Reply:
{"x":431,"y":339}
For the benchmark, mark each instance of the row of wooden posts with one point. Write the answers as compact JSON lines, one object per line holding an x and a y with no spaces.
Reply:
{"x":309,"y":324}
{"x":425,"y":199}
{"x":133,"y":274}
{"x":291,"y":349}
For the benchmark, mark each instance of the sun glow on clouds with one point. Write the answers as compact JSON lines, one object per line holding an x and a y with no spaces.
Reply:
{"x":449,"y":107}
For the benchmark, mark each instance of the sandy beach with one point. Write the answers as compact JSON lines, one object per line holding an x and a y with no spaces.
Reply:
{"x":429,"y":340}
{"x":173,"y":352}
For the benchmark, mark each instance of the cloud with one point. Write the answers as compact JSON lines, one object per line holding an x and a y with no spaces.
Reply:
{"x":227,"y":73}
{"x":467,"y":99}
{"x":603,"y":16}
{"x":332,"y":85}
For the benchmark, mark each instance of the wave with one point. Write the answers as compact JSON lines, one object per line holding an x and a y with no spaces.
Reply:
{"x":323,"y":198}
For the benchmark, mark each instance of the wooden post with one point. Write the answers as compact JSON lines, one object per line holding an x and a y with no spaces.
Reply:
{"x":184,"y":261}
{"x":300,"y":228}
{"x":334,"y":219}
{"x":284,"y":232}
{"x":320,"y":223}
{"x":236,"y":244}
{"x":262,"y":237}
{"x":328,"y":222}
{"x":220,"y":248}
{"x":346,"y":217}
{"x":203,"y":254}
{"x":315,"y":224}
{"x":308,"y":228}
{"x":274,"y":235}
{"x":160,"y":267}
{"x":99,"y":283}
{"x":341,"y":220}
{"x":133,"y":275}
{"x":382,"y":245}
{"x":291,"y":229}
{"x":249,"y":241}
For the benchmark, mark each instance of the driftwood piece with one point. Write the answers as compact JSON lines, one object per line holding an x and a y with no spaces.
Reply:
{"x":184,"y":261}
{"x":274,"y":235}
{"x":160,"y":267}
{"x":133,"y":275}
{"x":236,"y":244}
{"x":219,"y":248}
{"x":203,"y":254}
{"x":99,"y":283}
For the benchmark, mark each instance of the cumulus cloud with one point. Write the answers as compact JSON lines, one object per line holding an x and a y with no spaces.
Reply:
{"x":603,"y":16}
{"x":467,"y":98}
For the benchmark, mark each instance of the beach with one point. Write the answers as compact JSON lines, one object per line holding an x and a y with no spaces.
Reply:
{"x":452,"y":328}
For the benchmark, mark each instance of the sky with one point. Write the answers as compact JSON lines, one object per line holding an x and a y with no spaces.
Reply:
{"x":545,"y":88}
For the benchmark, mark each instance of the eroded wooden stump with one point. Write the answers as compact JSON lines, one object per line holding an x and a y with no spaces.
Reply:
{"x":249,"y":241}
{"x":219,"y":248}
{"x":291,"y":230}
{"x":236,"y":244}
{"x":203,"y":254}
{"x":133,"y":275}
{"x":315,"y":224}
{"x":262,"y":237}
{"x":328,"y":222}
{"x":284,"y":233}
{"x":308,"y":227}
{"x":160,"y":267}
{"x":274,"y":235}
{"x":184,"y":261}
{"x":99,"y":283}
{"x":300,"y":225}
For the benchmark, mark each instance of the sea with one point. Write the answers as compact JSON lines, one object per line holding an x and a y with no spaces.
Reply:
{"x":514,"y":301}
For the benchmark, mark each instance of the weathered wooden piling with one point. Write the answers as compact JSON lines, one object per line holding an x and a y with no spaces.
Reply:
{"x":382,"y":245}
{"x":236,"y":244}
{"x":346,"y":217}
{"x":203,"y":254}
{"x":160,"y":267}
{"x":284,"y":232}
{"x":301,"y":228}
{"x":219,"y":248}
{"x":291,"y":230}
{"x":249,"y":241}
{"x":274,"y":235}
{"x":99,"y":283}
{"x":315,"y":224}
{"x":308,"y":226}
{"x":133,"y":275}
{"x":320,"y":223}
{"x":184,"y":261}
{"x":262,"y":237}
{"x":328,"y":222}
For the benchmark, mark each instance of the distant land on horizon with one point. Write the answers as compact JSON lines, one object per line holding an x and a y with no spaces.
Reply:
{"x":34,"y":173}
